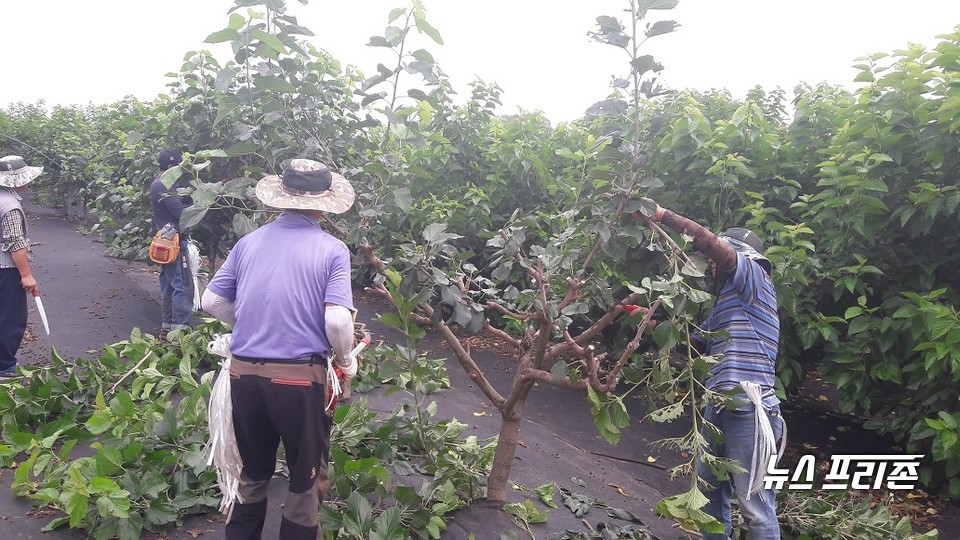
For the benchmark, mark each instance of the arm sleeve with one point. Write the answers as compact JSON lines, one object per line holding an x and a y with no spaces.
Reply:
{"x":224,"y":282}
{"x":219,"y":307}
{"x":338,"y":321}
{"x":13,"y":232}
{"x":339,"y":289}
{"x":704,"y":241}
{"x":747,"y":279}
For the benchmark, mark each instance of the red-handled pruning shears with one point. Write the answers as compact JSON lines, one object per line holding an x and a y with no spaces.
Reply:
{"x":633,"y":310}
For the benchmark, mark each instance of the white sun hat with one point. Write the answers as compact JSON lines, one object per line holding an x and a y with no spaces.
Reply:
{"x":14,"y":172}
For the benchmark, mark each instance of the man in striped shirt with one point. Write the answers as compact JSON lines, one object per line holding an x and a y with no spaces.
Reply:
{"x":742,"y":332}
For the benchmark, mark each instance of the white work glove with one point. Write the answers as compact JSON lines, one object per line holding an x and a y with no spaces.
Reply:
{"x":339,"y":329}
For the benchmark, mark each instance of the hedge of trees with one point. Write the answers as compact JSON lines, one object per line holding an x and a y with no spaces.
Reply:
{"x":854,"y":192}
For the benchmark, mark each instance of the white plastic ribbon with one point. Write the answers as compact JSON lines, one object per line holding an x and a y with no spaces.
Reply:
{"x":765,"y":445}
{"x":332,"y":380}
{"x":222,"y":445}
{"x":193,"y":261}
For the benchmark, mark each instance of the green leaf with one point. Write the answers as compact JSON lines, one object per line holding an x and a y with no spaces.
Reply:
{"x":643,"y":64}
{"x":379,"y":41}
{"x":55,"y":524}
{"x":546,"y":493}
{"x":619,"y":415}
{"x":852,"y":312}
{"x":99,"y":422}
{"x":241,"y":149}
{"x":435,"y":234}
{"x":227,"y":34}
{"x":76,"y":507}
{"x":661,"y":27}
{"x":423,"y":56}
{"x":127,"y":407}
{"x":236,"y":21}
{"x":859,"y":325}
{"x":425,"y":27}
{"x":273,"y":83}
{"x":403,"y":198}
{"x":395,"y":14}
{"x":192,"y":216}
{"x":392,"y":320}
{"x":109,"y":460}
{"x":559,"y":370}
{"x":270,"y":40}
{"x":667,"y":414}
{"x":243,"y":224}
{"x":170,"y":176}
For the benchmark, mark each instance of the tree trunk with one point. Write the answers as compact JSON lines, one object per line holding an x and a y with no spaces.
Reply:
{"x":499,"y":479}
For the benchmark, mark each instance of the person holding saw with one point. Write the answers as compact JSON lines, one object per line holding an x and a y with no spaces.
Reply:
{"x":742,"y":331}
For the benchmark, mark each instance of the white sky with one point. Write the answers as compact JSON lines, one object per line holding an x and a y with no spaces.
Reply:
{"x":79,"y":51}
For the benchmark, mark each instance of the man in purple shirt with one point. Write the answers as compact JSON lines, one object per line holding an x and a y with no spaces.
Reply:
{"x":286,"y":289}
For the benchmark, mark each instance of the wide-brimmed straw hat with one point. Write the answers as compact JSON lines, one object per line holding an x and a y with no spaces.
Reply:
{"x":307,"y":185}
{"x":14,"y":172}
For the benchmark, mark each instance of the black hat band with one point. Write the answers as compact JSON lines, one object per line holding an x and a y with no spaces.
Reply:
{"x":306,"y":182}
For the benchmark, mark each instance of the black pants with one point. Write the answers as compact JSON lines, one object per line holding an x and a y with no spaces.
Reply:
{"x":13,"y":316}
{"x":266,"y":411}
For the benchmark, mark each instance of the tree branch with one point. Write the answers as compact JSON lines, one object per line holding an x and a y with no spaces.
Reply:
{"x":501,"y":309}
{"x":663,"y":233}
{"x":489,"y":328}
{"x":466,"y":361}
{"x":539,"y":375}
{"x":573,"y":293}
{"x":631,"y":347}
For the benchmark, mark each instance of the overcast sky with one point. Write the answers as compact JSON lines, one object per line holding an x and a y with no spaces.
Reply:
{"x":73,"y":51}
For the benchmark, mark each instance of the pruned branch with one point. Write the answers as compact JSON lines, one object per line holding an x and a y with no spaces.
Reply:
{"x":631,"y":347}
{"x":539,"y":375}
{"x":663,"y":233}
{"x":573,"y":293}
{"x":594,"y":329}
{"x":503,"y":310}
{"x":372,"y":259}
{"x":490,"y":329}
{"x":467,"y":362}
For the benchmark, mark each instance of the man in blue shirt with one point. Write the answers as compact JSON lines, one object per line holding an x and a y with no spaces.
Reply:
{"x":742,"y":332}
{"x":176,"y":281}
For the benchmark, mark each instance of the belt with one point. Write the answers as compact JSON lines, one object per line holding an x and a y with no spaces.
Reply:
{"x":280,"y":371}
{"x":315,"y":358}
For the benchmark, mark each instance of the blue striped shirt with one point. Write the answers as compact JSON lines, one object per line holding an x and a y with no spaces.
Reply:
{"x":748,"y":331}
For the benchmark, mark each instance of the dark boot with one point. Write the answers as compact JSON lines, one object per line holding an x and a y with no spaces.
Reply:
{"x":246,"y":522}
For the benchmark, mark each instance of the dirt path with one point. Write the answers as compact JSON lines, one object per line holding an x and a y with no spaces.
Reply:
{"x":90,"y":299}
